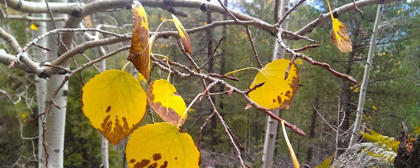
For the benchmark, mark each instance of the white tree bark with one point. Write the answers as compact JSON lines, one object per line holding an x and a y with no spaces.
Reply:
{"x":365,"y":81}
{"x":55,"y":118}
{"x":271,"y":124}
{"x":40,"y":84}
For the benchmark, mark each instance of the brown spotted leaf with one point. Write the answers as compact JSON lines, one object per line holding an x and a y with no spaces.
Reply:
{"x":339,"y":34}
{"x":276,"y":92}
{"x":161,"y":145}
{"x":164,"y":99}
{"x":340,"y":37}
{"x":185,"y":39}
{"x":140,"y":49}
{"x":114,"y":103}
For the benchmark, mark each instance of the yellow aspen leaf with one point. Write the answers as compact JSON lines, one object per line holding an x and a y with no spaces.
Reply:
{"x":339,"y":34}
{"x":164,"y":99}
{"x":115,"y":104}
{"x":185,"y":39}
{"x":374,"y":107}
{"x":34,"y":26}
{"x":340,"y":37}
{"x":161,"y":145}
{"x":140,"y":49}
{"x":276,"y":92}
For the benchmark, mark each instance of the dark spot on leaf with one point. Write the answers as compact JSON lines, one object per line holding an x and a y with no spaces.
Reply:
{"x":167,"y":114}
{"x":278,"y":99}
{"x":125,"y":124}
{"x":165,"y":164}
{"x":108,"y":109}
{"x":274,"y":100}
{"x":176,"y":158}
{"x":157,"y":156}
{"x":143,"y":163}
{"x":154,"y":165}
{"x":132,"y":160}
{"x":288,"y":94}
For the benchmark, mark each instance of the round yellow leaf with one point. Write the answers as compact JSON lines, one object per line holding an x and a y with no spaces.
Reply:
{"x":161,"y":145}
{"x":115,"y":104}
{"x":276,"y":92}
{"x":164,"y":99}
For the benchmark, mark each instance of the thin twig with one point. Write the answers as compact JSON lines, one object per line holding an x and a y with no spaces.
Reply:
{"x":223,"y":76}
{"x":255,"y":87}
{"x":248,"y":32}
{"x":310,"y":60}
{"x":25,"y":48}
{"x":288,"y":13}
{"x":307,"y":47}
{"x":227,"y":130}
{"x":41,"y":47}
{"x":201,"y":130}
{"x":297,"y":36}
{"x":355,"y":6}
{"x":228,"y":11}
{"x":212,"y":54}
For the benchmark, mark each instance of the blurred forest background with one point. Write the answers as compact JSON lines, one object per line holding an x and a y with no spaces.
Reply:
{"x":393,"y":94}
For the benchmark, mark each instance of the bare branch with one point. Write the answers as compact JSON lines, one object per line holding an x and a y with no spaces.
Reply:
{"x":248,"y":32}
{"x":288,"y":13}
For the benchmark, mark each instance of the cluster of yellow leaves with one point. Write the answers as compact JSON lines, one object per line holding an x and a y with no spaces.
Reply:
{"x":115,"y":104}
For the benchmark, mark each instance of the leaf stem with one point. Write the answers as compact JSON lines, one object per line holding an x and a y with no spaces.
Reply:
{"x":292,"y":153}
{"x":329,"y":7}
{"x":186,"y":110}
{"x":232,"y":72}
{"x":125,"y":66}
{"x":167,"y":62}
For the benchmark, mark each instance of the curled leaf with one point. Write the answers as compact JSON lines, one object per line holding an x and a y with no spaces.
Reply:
{"x":339,"y":34}
{"x":340,"y":37}
{"x":276,"y":92}
{"x":186,"y":42}
{"x":164,"y":99}
{"x":140,"y":49}
{"x":114,"y":103}
{"x":161,"y":145}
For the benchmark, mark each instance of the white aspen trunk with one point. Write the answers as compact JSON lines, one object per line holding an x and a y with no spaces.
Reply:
{"x":365,"y":81}
{"x":40,"y":85}
{"x":56,"y":118}
{"x":271,"y":124}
